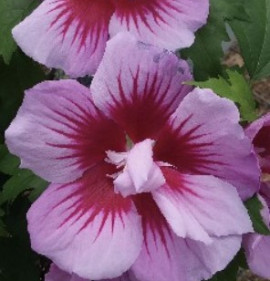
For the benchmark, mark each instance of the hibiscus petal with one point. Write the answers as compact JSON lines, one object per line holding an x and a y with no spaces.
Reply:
{"x":139,"y":86}
{"x":190,"y":205}
{"x":257,"y":248}
{"x":127,"y":276}
{"x":265,"y":211}
{"x":58,"y":133}
{"x":167,"y":23}
{"x":253,"y":129}
{"x":187,"y":260}
{"x":85,"y":228}
{"x":199,"y":143}
{"x":66,"y":34}
{"x":167,"y":257}
{"x":259,"y":133}
{"x":56,"y":274}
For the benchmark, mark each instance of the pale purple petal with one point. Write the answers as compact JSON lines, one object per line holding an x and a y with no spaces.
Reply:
{"x":259,"y":133}
{"x":56,"y":274}
{"x":165,"y":256}
{"x":140,"y":173}
{"x":253,"y":129}
{"x":70,"y":35}
{"x":127,"y":276}
{"x":167,"y":23}
{"x":257,"y":248}
{"x":184,"y":259}
{"x":204,"y":137}
{"x":85,"y":228}
{"x":190,"y":205}
{"x":139,"y":86}
{"x":59,"y":134}
{"x":265,"y":211}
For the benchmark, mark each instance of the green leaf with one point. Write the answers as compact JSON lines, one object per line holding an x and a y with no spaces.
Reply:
{"x":254,"y":207}
{"x":17,"y":261}
{"x":206,"y":53}
{"x":21,"y":74}
{"x":8,"y":163}
{"x":234,"y":88}
{"x":11,"y":13}
{"x":231,"y":9}
{"x":22,"y":180}
{"x":254,"y":38}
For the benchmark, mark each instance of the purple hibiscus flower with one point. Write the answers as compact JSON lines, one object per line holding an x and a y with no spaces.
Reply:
{"x":72,"y":34}
{"x":147,"y":174}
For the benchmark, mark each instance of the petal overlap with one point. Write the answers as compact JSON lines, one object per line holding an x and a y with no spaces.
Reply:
{"x":72,"y":35}
{"x":140,"y":123}
{"x":167,"y":23}
{"x":198,"y":144}
{"x":59,"y":133}
{"x":189,"y":260}
{"x":145,"y":86}
{"x":66,"y":34}
{"x":165,"y":256}
{"x":56,"y":274}
{"x":257,"y":253}
{"x":190,"y":204}
{"x":85,"y":228}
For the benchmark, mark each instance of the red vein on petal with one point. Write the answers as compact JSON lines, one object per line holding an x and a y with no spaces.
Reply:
{"x":187,"y":150}
{"x":92,"y":196}
{"x":152,"y":221}
{"x":138,"y":12}
{"x":89,"y":19}
{"x":142,"y":112}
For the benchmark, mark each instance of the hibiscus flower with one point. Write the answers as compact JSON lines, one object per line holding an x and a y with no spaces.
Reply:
{"x":257,"y":246}
{"x":147,"y":174}
{"x":72,"y":34}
